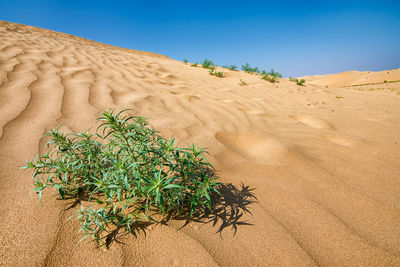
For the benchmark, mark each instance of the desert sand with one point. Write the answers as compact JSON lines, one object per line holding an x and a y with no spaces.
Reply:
{"x":322,"y":160}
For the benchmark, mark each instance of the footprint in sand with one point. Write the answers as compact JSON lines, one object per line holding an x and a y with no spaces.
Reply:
{"x":265,"y":149}
{"x":313,"y":122}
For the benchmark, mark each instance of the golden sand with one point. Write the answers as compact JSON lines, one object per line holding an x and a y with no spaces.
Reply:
{"x":322,"y":160}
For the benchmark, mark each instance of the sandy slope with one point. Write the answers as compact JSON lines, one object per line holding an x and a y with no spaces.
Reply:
{"x":350,"y":78}
{"x":325,"y":170}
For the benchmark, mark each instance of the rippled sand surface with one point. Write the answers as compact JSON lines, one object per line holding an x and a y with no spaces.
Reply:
{"x":322,"y":161}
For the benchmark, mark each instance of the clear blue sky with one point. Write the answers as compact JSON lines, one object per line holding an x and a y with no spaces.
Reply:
{"x":293,"y":37}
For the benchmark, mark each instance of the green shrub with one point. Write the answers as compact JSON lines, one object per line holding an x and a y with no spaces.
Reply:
{"x":207,"y":64}
{"x":249,"y":69}
{"x":271,"y":79}
{"x":212,"y":71}
{"x":127,"y":172}
{"x":298,"y":82}
{"x":194,"y":64}
{"x":301,"y":82}
{"x":219,"y":74}
{"x":232,"y":67}
{"x":274,"y":74}
{"x":185,"y":61}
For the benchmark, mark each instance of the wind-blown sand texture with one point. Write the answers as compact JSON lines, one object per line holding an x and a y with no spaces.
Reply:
{"x":323,"y":162}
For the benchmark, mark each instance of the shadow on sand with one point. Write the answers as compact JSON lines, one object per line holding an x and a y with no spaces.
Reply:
{"x":226,"y":211}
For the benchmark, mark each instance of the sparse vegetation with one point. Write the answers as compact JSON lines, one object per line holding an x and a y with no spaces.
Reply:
{"x":194,"y":64}
{"x":207,"y":64}
{"x":299,"y":82}
{"x":185,"y":61}
{"x":271,"y":79}
{"x":338,"y":96}
{"x":232,"y":67}
{"x":268,"y":76}
{"x":122,"y":174}
{"x":249,"y":69}
{"x":274,"y":74}
{"x":242,"y":82}
{"x":212,"y":71}
{"x":219,"y":74}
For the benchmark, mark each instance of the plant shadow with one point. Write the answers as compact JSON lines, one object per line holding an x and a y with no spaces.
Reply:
{"x":227,"y":210}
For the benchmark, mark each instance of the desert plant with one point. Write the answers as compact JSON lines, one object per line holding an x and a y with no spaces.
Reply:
{"x":207,"y":64}
{"x":194,"y":64}
{"x":185,"y":61}
{"x":301,"y":82}
{"x":274,"y":74}
{"x":242,"y":82}
{"x":232,"y":67}
{"x":225,"y":66}
{"x":249,"y":69}
{"x":297,"y":81}
{"x":212,"y":71}
{"x":126,"y":170}
{"x":271,"y":79}
{"x":219,"y":74}
{"x":246,"y":67}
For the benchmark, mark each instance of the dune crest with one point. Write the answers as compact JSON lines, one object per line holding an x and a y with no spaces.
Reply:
{"x":324,"y":163}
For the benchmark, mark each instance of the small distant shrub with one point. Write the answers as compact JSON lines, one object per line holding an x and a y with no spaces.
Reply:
{"x":299,"y":82}
{"x":185,"y":61}
{"x":275,"y":74}
{"x":249,"y":69}
{"x":225,"y":66}
{"x":207,"y":64}
{"x":125,"y":171}
{"x":232,"y":67}
{"x":271,"y":79}
{"x":242,"y":82}
{"x":194,"y":64}
{"x":212,"y":71}
{"x":338,"y":96}
{"x":219,"y":74}
{"x":246,"y":67}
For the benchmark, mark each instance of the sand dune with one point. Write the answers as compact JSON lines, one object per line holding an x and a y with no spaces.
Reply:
{"x":350,"y":78}
{"x":324,"y":163}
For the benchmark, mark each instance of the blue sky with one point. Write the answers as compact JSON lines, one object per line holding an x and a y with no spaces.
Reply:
{"x":293,"y":37}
